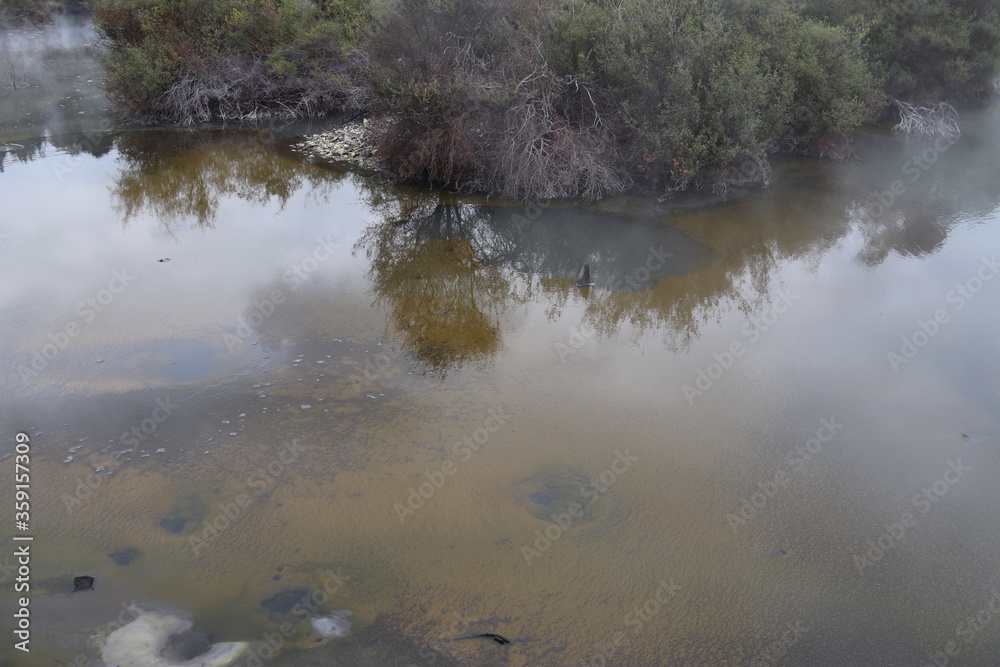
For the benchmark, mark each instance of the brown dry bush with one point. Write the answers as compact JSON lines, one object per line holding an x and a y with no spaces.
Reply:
{"x":472,"y":104}
{"x":243,"y":87}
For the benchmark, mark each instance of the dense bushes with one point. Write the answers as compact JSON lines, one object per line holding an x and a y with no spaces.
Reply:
{"x":188,"y":60}
{"x":699,"y":87}
{"x":927,"y":50}
{"x":531,"y":100}
{"x":471,"y":100}
{"x":556,"y":98}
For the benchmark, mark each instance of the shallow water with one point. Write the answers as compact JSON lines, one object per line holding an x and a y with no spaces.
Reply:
{"x":396,"y":401}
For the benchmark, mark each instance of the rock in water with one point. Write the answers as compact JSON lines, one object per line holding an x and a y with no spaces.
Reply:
{"x":334,"y":625}
{"x":84,"y":583}
{"x":142,"y":643}
{"x":584,"y":279}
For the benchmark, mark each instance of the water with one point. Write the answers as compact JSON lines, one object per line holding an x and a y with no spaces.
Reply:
{"x":769,"y":431}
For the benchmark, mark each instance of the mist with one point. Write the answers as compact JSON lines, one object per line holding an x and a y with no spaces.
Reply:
{"x":50,"y":80}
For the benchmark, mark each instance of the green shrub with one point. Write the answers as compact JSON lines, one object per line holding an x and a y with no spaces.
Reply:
{"x":697,"y":87}
{"x":191,"y":60}
{"x":928,"y":50}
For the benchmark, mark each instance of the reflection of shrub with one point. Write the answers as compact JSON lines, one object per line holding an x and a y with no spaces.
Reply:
{"x":192,"y":61}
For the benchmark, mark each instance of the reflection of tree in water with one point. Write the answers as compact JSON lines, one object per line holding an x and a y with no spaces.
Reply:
{"x":940,"y":189}
{"x":447,"y":275}
{"x":72,"y":144}
{"x":444,"y":302}
{"x":23,"y":150}
{"x":906,"y":232}
{"x":176,"y":175}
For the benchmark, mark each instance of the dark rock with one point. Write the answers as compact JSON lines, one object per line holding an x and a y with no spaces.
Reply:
{"x":284,"y":602}
{"x":174,"y":525}
{"x":83,"y":583}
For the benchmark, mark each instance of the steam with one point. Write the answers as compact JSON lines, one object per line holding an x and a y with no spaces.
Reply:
{"x":50,"y":80}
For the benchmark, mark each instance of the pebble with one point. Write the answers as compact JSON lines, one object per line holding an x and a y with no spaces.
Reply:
{"x":346,"y":144}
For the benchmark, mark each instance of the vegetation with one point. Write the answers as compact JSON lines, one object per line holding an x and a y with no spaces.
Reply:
{"x":925,"y":50}
{"x":29,"y":11}
{"x":540,"y":99}
{"x":188,"y":60}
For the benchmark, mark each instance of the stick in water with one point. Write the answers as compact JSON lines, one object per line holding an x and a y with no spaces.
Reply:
{"x":497,"y":638}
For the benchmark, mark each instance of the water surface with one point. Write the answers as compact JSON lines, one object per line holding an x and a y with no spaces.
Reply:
{"x":285,"y":379}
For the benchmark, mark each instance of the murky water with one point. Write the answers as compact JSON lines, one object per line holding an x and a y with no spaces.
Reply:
{"x":769,"y":432}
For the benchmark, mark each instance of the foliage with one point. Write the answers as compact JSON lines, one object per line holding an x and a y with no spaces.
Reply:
{"x":699,"y":87}
{"x":187,"y":60}
{"x":928,"y":50}
{"x":542,"y":99}
{"x":472,"y":102}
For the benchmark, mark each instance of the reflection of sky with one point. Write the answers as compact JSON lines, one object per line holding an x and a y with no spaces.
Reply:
{"x":64,"y":241}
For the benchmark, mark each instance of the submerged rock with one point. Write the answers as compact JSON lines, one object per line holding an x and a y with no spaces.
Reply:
{"x":284,"y":602}
{"x":125,"y":556}
{"x":84,"y":583}
{"x":158,"y":638}
{"x":334,"y":625}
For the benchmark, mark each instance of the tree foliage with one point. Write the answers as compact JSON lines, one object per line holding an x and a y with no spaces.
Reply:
{"x":188,"y":60}
{"x":927,"y":50}
{"x":540,"y":99}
